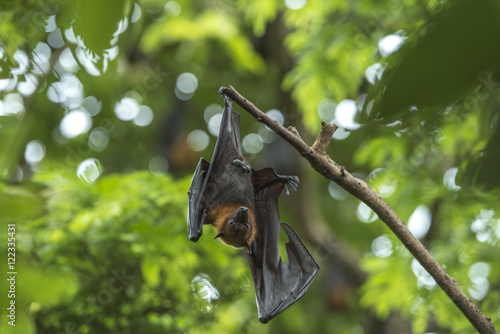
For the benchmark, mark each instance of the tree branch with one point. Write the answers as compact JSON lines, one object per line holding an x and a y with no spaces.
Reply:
{"x":324,"y":165}
{"x":324,"y":137}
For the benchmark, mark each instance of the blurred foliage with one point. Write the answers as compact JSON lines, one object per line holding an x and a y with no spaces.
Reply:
{"x":100,"y":260}
{"x":106,"y":107}
{"x":452,"y":64}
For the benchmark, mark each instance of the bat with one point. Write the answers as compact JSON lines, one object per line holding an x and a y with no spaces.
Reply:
{"x":221,"y":192}
{"x":242,"y":204}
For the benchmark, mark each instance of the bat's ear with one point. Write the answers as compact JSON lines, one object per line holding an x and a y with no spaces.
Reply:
{"x":220,"y":235}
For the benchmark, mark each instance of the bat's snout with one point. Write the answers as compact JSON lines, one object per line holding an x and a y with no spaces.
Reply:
{"x":241,"y":215}
{"x":194,"y":235}
{"x":194,"y":238}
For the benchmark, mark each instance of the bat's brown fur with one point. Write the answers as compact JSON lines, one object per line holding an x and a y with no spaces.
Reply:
{"x":236,"y":235}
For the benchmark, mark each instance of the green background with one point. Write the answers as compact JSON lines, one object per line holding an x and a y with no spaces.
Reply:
{"x":103,"y":247}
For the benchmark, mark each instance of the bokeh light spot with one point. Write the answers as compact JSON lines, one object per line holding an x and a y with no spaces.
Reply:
{"x":55,"y":39}
{"x":420,"y":221}
{"x":144,"y":117}
{"x":390,"y":43}
{"x":212,"y":110}
{"x":89,"y":170}
{"x":88,"y":61}
{"x":478,"y":274}
{"x":8,"y":84}
{"x":99,"y":139}
{"x":341,"y":134}
{"x":374,"y":72}
{"x":276,"y":115}
{"x":266,"y":134}
{"x":173,"y":8}
{"x":158,"y":165}
{"x":67,"y":61}
{"x":204,"y":291}
{"x":75,"y":123}
{"x":295,"y":4}
{"x":365,"y":214}
{"x":252,"y":143}
{"x":198,"y":140}
{"x":51,"y":23}
{"x":29,"y":86}
{"x":13,"y":104}
{"x":326,"y":110}
{"x":214,"y":124}
{"x":35,"y":151}
{"x":344,"y":114}
{"x":382,"y":246}
{"x":186,"y":85}
{"x":92,"y":105}
{"x":136,"y":14}
{"x":423,"y":277}
{"x":449,"y":179}
{"x":22,"y":61}
{"x":337,"y":191}
{"x":127,"y":109}
{"x":68,"y":91}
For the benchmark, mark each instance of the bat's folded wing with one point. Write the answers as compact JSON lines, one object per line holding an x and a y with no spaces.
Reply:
{"x":229,"y":135}
{"x":277,"y":288}
{"x":196,"y":201}
{"x":277,"y":285}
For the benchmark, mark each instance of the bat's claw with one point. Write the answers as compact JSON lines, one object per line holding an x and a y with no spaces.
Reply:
{"x":242,"y":165}
{"x":249,"y":249}
{"x":289,"y":181}
{"x":221,"y":91}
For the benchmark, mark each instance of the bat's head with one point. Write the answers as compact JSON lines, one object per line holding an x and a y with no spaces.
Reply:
{"x":237,"y":227}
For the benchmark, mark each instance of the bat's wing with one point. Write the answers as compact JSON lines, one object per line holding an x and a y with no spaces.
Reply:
{"x":208,"y":179}
{"x":229,"y":135}
{"x":277,"y":285}
{"x":196,"y":203}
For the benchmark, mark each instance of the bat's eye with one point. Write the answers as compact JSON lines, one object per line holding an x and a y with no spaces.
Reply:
{"x":232,"y":223}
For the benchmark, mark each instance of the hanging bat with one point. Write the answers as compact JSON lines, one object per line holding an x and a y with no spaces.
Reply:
{"x":221,"y":192}
{"x":242,"y":204}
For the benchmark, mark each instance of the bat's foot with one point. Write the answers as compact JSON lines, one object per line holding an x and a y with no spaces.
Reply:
{"x":289,"y":181}
{"x":238,"y":163}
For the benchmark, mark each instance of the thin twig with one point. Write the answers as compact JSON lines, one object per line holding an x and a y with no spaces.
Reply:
{"x":324,"y":137}
{"x":323,"y":164}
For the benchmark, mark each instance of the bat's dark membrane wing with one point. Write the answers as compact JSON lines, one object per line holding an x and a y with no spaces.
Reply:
{"x":277,"y":285}
{"x":265,"y":177}
{"x":229,"y":133}
{"x":196,"y":204}
{"x":208,"y":180}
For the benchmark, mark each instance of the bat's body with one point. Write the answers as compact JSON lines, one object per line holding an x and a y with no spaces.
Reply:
{"x":221,"y":192}
{"x":242,"y":204}
{"x":220,"y":187}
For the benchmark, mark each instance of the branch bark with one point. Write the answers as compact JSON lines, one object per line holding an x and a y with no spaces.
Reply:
{"x":324,"y":165}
